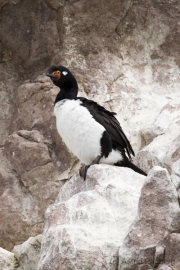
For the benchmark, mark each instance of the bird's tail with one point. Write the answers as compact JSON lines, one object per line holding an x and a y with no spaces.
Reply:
{"x":129,"y":164}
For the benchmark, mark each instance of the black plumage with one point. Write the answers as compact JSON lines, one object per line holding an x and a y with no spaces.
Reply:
{"x":110,"y":123}
{"x":111,"y":139}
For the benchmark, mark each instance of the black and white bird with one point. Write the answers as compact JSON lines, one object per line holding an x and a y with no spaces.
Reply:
{"x":91,"y":132}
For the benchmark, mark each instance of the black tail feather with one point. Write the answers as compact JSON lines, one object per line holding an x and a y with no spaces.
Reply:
{"x":129,"y":164}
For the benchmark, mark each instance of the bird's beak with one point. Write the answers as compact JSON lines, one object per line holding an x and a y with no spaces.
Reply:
{"x":51,"y":75}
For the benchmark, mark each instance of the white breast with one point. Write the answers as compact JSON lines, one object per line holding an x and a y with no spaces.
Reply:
{"x":78,"y":129}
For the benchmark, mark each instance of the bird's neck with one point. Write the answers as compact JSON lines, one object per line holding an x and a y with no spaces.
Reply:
{"x":68,"y":91}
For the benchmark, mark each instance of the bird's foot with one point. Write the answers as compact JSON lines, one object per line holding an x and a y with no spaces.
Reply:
{"x":84,"y":168}
{"x":83,"y":171}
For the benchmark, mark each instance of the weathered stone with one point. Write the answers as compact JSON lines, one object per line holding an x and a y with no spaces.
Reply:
{"x":176,"y":173}
{"x":158,"y":207}
{"x":25,"y":153}
{"x":163,"y":139}
{"x":28,"y":253}
{"x":159,"y":255}
{"x":125,"y":55}
{"x":38,"y":98}
{"x":172,"y":254}
{"x":164,"y":267}
{"x":29,"y":184}
{"x":56,"y":4}
{"x":20,"y":216}
{"x":90,"y":219}
{"x":6,"y":110}
{"x":25,"y":24}
{"x":37,"y":164}
{"x":7,"y":260}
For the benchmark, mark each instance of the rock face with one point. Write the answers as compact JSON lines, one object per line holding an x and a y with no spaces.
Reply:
{"x":162,"y":138}
{"x":158,"y":216}
{"x":7,"y":260}
{"x":125,"y":55}
{"x":90,"y":219}
{"x":172,"y":251}
{"x":28,"y":254}
{"x":34,"y":164}
{"x":19,"y":213}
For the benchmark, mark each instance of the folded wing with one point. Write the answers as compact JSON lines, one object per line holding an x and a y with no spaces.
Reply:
{"x":110,"y":123}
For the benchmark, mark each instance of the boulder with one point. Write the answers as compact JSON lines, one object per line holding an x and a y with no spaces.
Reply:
{"x":172,"y":254}
{"x":7,"y":260}
{"x":164,"y":267}
{"x":20,"y":216}
{"x":34,"y":164}
{"x":158,"y":215}
{"x":29,"y":183}
{"x":124,"y":54}
{"x":90,"y":219}
{"x":35,"y":103}
{"x":162,"y":139}
{"x":28,"y":253}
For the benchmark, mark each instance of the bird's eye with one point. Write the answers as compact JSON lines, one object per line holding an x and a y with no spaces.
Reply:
{"x":64,"y":73}
{"x":58,"y":73}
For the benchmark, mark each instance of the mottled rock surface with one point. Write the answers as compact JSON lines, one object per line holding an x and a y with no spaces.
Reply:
{"x":7,"y":260}
{"x":34,"y":164}
{"x":162,"y":138}
{"x":90,"y":219}
{"x":158,"y":216}
{"x":125,"y":55}
{"x":28,"y":254}
{"x":172,"y":255}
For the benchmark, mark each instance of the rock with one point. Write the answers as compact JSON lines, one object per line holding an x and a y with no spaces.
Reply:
{"x":20,"y":216}
{"x":90,"y":219}
{"x":28,"y":253}
{"x":35,"y":154}
{"x":140,"y":76}
{"x":7,"y":260}
{"x":159,"y":255}
{"x":56,"y":4}
{"x":5,"y":114}
{"x":24,"y":28}
{"x":176,"y":173}
{"x":30,"y":186}
{"x":125,"y":55}
{"x":172,"y":258}
{"x":164,"y":267}
{"x":162,"y":138}
{"x":36,"y":167}
{"x":164,"y":122}
{"x":158,"y":215}
{"x":35,"y":164}
{"x":30,"y":26}
{"x":38,"y":97}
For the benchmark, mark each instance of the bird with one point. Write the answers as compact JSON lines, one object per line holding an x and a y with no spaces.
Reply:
{"x":90,"y":131}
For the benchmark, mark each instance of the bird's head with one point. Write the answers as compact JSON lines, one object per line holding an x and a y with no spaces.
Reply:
{"x":59,"y":75}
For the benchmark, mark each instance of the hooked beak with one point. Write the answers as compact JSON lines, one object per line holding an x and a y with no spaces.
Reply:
{"x":54,"y":76}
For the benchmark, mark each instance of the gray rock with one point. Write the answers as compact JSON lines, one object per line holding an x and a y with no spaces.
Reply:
{"x":157,"y":214}
{"x":7,"y":260}
{"x":164,"y":267}
{"x":163,"y":139}
{"x":172,"y":257}
{"x":89,"y":221}
{"x":125,"y":55}
{"x":28,"y":253}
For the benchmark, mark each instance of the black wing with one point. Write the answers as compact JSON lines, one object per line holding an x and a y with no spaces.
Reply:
{"x":109,"y":122}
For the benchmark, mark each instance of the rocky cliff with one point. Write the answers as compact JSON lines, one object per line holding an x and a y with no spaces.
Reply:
{"x":125,"y":55}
